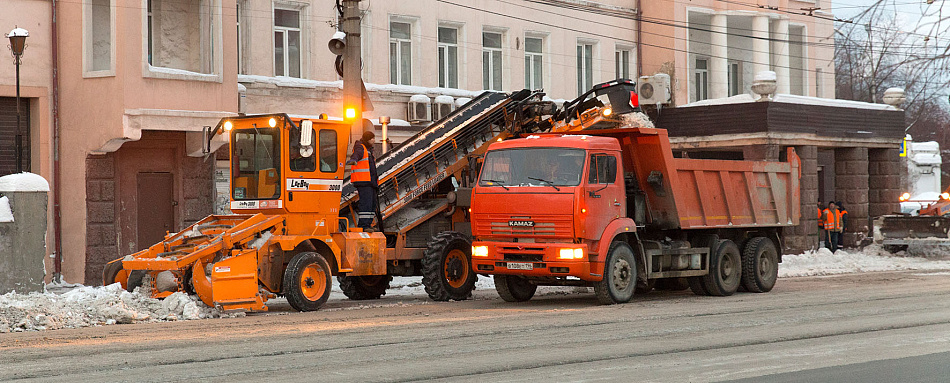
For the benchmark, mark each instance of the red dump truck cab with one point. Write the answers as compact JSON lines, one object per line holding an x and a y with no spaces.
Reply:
{"x":614,"y":209}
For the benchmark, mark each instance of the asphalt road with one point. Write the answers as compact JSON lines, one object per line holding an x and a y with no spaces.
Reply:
{"x":863,"y":327}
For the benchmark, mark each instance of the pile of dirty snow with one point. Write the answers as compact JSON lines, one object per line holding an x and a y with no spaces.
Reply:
{"x":871,"y":259}
{"x":86,"y":306}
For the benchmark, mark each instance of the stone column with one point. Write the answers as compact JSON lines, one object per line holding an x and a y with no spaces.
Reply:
{"x":805,"y":235}
{"x":851,"y":187}
{"x":718,"y":62}
{"x":782,"y":71}
{"x":22,"y":236}
{"x":884,"y":179}
{"x":760,"y":43}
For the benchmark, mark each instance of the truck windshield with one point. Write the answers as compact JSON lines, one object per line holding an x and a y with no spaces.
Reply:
{"x":255,"y":164}
{"x":532,"y":167}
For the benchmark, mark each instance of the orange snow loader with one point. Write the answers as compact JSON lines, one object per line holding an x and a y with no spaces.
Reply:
{"x":288,"y":175}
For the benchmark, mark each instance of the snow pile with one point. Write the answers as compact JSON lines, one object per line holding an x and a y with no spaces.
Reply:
{"x":94,"y":306}
{"x":636,"y":120}
{"x":6,"y":214}
{"x":23,"y":182}
{"x":871,"y":259}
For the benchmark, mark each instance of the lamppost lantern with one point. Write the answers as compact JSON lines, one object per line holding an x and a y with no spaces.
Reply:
{"x":18,"y":41}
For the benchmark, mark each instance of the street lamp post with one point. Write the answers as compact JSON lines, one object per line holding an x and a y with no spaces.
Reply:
{"x":17,"y":43}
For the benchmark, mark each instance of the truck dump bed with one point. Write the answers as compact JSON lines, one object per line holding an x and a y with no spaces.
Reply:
{"x":705,"y":194}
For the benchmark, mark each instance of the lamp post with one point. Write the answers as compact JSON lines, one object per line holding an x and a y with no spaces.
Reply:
{"x":17,"y":43}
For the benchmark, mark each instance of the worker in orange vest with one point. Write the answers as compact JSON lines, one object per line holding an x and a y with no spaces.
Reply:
{"x":821,"y":226}
{"x":363,"y":177}
{"x":844,"y":223}
{"x":832,"y":221}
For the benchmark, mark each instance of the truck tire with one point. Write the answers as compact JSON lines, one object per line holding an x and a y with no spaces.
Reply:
{"x":620,"y":275}
{"x":759,"y":265}
{"x":307,"y":281}
{"x":696,"y":284}
{"x":513,"y":288}
{"x":447,"y":267}
{"x":725,"y":270}
{"x":364,"y":287}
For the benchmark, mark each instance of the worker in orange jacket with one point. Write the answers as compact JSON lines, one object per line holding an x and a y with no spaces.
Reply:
{"x":832,"y":225}
{"x":844,"y":223}
{"x":821,"y":226}
{"x":364,"y":178}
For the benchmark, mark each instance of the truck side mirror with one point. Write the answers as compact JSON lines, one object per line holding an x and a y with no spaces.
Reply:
{"x":306,"y":138}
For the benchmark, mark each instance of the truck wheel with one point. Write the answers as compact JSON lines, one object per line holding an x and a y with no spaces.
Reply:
{"x":365,"y":287}
{"x":307,"y":281}
{"x":725,"y":270}
{"x":696,"y":284}
{"x":759,"y":265}
{"x":620,"y":275}
{"x":447,"y":267}
{"x":513,"y":288}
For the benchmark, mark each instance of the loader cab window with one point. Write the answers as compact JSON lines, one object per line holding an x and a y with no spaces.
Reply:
{"x":328,"y":151}
{"x":299,"y":162}
{"x":603,"y":169}
{"x":539,"y":167}
{"x":255,"y":167}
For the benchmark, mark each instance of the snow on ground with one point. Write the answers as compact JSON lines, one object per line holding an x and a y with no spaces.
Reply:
{"x":870,"y":259}
{"x":6,"y":215}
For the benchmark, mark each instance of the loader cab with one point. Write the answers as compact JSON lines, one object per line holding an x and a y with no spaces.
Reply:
{"x":286,"y":165}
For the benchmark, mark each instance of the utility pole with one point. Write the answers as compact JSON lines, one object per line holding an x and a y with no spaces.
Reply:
{"x":352,"y":68}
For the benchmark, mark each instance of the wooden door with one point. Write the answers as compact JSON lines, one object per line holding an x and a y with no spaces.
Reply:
{"x":155,"y":208}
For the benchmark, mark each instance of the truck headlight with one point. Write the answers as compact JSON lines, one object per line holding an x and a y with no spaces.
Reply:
{"x":479,"y":251}
{"x":570,"y":254}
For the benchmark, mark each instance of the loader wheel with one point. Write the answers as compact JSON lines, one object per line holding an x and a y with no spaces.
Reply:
{"x":135,"y":279}
{"x":307,"y":281}
{"x":447,"y":267}
{"x":725,"y":270}
{"x":110,"y":273}
{"x":513,"y":288}
{"x":696,"y":283}
{"x":759,"y":265}
{"x":620,"y":275}
{"x":363,"y":288}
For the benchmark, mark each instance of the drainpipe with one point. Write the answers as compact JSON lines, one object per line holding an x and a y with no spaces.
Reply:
{"x":57,"y":216}
{"x":639,"y":40}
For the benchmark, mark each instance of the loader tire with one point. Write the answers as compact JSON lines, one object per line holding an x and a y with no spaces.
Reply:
{"x":365,"y":287}
{"x":110,"y":272}
{"x":725,"y":270}
{"x":513,"y":288}
{"x":447,"y":267}
{"x":135,"y":279}
{"x":696,"y":283}
{"x":759,"y":265}
{"x":307,"y":281}
{"x":620,"y":275}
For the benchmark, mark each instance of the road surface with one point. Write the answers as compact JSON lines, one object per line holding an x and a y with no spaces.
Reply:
{"x":807,"y":329}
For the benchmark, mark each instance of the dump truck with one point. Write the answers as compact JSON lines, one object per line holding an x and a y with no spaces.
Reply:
{"x":293,"y":226}
{"x":613,"y":209}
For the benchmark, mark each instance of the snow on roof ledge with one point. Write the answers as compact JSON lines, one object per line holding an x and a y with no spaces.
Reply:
{"x":793,"y":99}
{"x":23,"y":182}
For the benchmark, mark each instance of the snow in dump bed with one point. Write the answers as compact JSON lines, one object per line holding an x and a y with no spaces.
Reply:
{"x":23,"y":182}
{"x":86,"y":306}
{"x":6,"y":215}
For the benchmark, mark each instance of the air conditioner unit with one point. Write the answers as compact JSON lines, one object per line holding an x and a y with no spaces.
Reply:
{"x":654,"y":90}
{"x":444,"y":105}
{"x":420,"y":108}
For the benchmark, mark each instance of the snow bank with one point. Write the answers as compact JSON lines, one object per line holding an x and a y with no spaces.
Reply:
{"x":871,"y":259}
{"x":86,"y":306}
{"x":23,"y":182}
{"x":6,"y":214}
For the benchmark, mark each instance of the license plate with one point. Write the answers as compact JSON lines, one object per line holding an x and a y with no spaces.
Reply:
{"x":520,"y":266}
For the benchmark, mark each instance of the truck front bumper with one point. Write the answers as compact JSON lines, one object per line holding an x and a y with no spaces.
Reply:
{"x":534,"y":259}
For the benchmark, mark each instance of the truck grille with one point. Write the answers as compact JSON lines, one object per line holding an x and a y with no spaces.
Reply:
{"x":544,"y":226}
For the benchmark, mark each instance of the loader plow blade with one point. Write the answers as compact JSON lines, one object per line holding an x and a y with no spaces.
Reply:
{"x":897,"y":232}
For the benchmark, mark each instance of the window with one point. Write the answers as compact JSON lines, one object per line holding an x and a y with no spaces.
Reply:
{"x":622,"y":60}
{"x":819,"y":82}
{"x":256,"y":173}
{"x":701,"y":79}
{"x":541,"y":167}
{"x":328,"y":153}
{"x":241,"y":5}
{"x":286,"y":42}
{"x":735,"y":79}
{"x":491,"y":60}
{"x":98,"y":36}
{"x":448,"y":57}
{"x":181,"y":34}
{"x":400,"y":53}
{"x":603,"y":169}
{"x":533,"y":63}
{"x":585,"y":67}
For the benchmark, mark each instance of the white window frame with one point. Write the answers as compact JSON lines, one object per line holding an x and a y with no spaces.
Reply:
{"x":213,"y":54}
{"x":398,"y":69}
{"x":619,"y":63}
{"x":734,"y":77}
{"x":700,"y":78}
{"x":444,"y":66}
{"x":87,"y":40}
{"x":488,"y":82}
{"x":531,"y":57}
{"x":585,"y":69}
{"x":242,"y":22}
{"x":286,"y":33}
